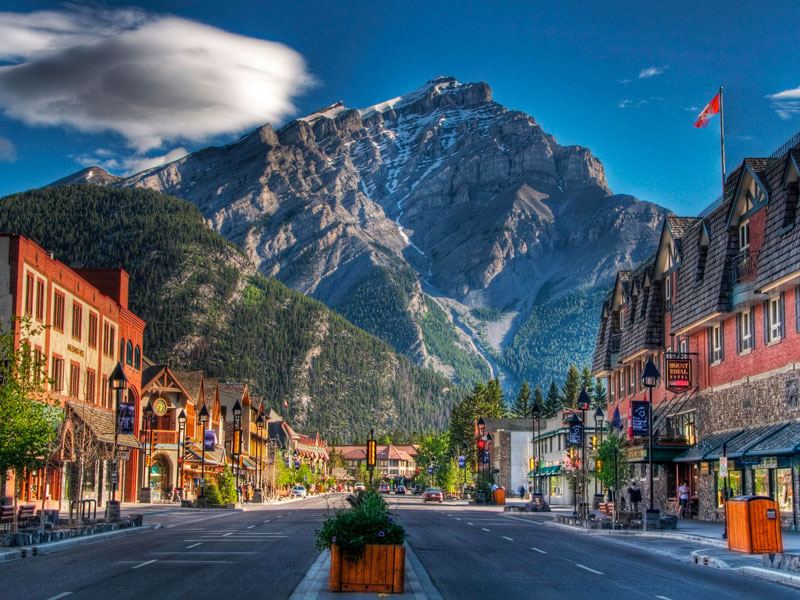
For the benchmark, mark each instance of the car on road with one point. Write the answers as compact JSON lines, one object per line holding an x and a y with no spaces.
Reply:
{"x":299,"y":491}
{"x":384,"y":489}
{"x":418,"y":489}
{"x":401,"y":490}
{"x":359,"y":486}
{"x":433,"y":495}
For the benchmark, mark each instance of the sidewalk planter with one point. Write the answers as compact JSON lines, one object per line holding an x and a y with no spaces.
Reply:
{"x":382,"y":568}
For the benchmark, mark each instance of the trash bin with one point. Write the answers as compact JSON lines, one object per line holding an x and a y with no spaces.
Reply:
{"x":754,"y":525}
{"x":499,"y":496}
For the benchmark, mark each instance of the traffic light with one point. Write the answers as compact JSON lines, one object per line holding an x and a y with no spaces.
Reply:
{"x":481,"y":444}
{"x":594,"y":442}
{"x":599,"y":466}
{"x":531,"y":464}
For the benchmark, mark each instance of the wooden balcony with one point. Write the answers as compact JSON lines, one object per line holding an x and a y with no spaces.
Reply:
{"x":164,"y":436}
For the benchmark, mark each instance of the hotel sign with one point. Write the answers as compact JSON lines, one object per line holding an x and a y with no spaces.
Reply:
{"x":679,"y":374}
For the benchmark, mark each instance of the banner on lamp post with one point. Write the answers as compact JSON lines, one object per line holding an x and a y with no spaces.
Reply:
{"x":640,"y":418}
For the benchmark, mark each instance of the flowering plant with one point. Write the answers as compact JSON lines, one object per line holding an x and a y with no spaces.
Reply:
{"x":367,"y":522}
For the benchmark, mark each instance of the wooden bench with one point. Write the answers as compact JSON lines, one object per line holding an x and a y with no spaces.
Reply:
{"x":27,"y":512}
{"x":6,"y":515}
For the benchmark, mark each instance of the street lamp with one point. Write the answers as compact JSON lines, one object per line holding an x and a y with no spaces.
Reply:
{"x":148,"y":416}
{"x":489,"y":441}
{"x":203,"y":417}
{"x":598,"y":429}
{"x":236,"y":445}
{"x":650,"y":377}
{"x":181,"y":448}
{"x":481,"y":426}
{"x":584,"y":404}
{"x":118,"y":382}
{"x":260,"y":448}
{"x":536,"y":413}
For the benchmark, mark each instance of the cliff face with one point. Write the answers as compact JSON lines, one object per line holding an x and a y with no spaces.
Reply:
{"x":485,"y":207}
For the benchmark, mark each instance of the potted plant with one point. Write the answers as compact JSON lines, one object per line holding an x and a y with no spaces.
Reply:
{"x":366,"y":544}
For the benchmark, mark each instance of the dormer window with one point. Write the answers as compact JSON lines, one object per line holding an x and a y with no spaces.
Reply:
{"x":744,"y":235}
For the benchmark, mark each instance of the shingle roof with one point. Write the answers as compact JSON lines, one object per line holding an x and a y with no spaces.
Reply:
{"x":679,"y":225}
{"x":191,"y":381}
{"x":784,"y":440}
{"x":706,"y":447}
{"x":101,"y":423}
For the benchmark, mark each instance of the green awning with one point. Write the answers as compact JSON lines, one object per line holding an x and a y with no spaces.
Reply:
{"x":552,"y":470}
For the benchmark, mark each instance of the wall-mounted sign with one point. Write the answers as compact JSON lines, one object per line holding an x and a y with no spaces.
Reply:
{"x":160,"y":407}
{"x":723,"y":466}
{"x":679,"y":374}
{"x":640,"y":418}
{"x":749,"y":460}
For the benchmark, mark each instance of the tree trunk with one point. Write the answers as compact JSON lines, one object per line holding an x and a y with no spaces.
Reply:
{"x":16,"y":510}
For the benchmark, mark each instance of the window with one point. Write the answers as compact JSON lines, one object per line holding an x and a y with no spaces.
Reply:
{"x":122,"y":350}
{"x":74,"y":380}
{"x":632,"y":379}
{"x":40,"y":364}
{"x":58,"y":311}
{"x":137,"y":358}
{"x":745,"y":334}
{"x":744,"y":235}
{"x":91,"y":385}
{"x":668,"y":291}
{"x":716,"y":343}
{"x":92,"y":330}
{"x":773,"y":319}
{"x":77,"y":320}
{"x":109,"y":346}
{"x":129,"y":354}
{"x":797,"y":308}
{"x":104,"y":391}
{"x":57,"y":374}
{"x":29,"y":295}
{"x":39,"y":300}
{"x":683,"y":346}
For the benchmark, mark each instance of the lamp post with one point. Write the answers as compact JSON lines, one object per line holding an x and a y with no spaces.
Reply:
{"x":181,"y":448}
{"x":575,"y":430}
{"x":725,"y":490}
{"x":118,"y":382}
{"x":584,"y":404}
{"x":536,"y":412}
{"x":598,"y":428}
{"x":481,"y":443}
{"x":650,"y":377}
{"x":236,"y":445}
{"x":203,"y":417}
{"x":489,"y":441}
{"x":148,"y":416}
{"x":260,"y":431}
{"x":616,"y":483}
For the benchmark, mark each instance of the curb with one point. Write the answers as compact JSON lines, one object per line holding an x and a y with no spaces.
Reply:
{"x":60,"y":545}
{"x":629,"y":533}
{"x":770,"y":575}
{"x":699,"y":557}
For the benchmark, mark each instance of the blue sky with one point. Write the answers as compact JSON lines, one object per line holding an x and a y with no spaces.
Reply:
{"x":625,"y":79}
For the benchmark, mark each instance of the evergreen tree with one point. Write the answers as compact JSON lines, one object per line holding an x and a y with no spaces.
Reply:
{"x":587,"y":381}
{"x":599,"y":394}
{"x":493,"y":404}
{"x":571,"y":388}
{"x":522,"y":405}
{"x":552,"y":403}
{"x":538,"y":398}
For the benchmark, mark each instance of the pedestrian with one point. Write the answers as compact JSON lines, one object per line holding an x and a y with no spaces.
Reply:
{"x":521,"y":490}
{"x":683,"y":496}
{"x":635,"y":496}
{"x":239,"y":494}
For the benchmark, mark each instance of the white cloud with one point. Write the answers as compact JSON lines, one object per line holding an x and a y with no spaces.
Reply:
{"x":651,"y":72}
{"x":624,"y":104}
{"x":786,"y":103}
{"x":153,"y":79}
{"x":8,"y":152}
{"x":131,"y":164}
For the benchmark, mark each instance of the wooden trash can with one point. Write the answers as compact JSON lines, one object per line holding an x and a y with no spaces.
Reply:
{"x":499,"y":496}
{"x":754,"y":525}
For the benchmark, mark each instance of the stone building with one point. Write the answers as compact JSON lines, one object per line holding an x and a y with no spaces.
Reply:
{"x":721,"y":293}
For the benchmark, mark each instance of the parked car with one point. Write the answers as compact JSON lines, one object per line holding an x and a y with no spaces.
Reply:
{"x":359,"y":486}
{"x":401,"y":490}
{"x":384,"y":489}
{"x":299,"y":491}
{"x":418,"y":489}
{"x":433,"y":495}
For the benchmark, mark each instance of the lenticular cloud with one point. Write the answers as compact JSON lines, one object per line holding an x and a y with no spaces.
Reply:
{"x":150,"y":78}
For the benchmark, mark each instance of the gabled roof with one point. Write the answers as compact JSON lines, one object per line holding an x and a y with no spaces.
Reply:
{"x":191,"y":381}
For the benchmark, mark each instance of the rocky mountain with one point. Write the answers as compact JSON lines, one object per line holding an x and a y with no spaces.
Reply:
{"x":439,"y":220}
{"x":206,"y":306}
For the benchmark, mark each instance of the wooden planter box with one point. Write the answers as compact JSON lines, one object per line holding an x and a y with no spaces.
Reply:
{"x":381,"y":569}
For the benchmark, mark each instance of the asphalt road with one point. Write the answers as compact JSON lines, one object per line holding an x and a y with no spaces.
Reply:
{"x":484,"y":554}
{"x":222,"y":556}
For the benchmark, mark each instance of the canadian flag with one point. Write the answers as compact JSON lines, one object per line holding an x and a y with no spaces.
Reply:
{"x":712,"y":108}
{"x":286,"y":403}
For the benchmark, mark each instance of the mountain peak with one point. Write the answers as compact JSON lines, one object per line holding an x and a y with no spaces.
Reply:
{"x":94,"y":175}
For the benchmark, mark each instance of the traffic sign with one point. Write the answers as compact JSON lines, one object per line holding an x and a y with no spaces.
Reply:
{"x":723,"y":466}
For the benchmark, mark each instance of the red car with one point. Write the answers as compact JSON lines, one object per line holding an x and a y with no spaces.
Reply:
{"x":433,"y":495}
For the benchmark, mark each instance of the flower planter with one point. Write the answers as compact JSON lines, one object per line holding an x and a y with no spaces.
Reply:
{"x":381,"y":569}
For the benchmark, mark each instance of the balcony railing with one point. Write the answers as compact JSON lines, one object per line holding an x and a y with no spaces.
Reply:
{"x":164,"y":436}
{"x":615,"y":342}
{"x":744,"y":267}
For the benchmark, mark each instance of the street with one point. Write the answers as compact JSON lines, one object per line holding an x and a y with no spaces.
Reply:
{"x":468,"y":552}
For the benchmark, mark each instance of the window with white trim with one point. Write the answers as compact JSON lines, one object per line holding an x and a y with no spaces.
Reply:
{"x":745,"y":331}
{"x":716,"y":343}
{"x":683,"y":346}
{"x":668,"y":291}
{"x":744,"y":235}
{"x":775,"y":320}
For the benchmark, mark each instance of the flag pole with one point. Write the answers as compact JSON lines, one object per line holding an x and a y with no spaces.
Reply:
{"x":722,"y":139}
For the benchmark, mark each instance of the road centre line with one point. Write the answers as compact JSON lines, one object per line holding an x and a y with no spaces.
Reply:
{"x":268,"y":520}
{"x":61,"y":595}
{"x":457,"y":519}
{"x":250,"y":526}
{"x":199,"y":553}
{"x":484,"y":528}
{"x":145,"y":563}
{"x":538,"y":550}
{"x":663,"y":598}
{"x":227,"y":534}
{"x":588,"y":569}
{"x":225,"y":514}
{"x":240,"y":540}
{"x":468,"y":523}
{"x":508,"y":538}
{"x":194,"y":545}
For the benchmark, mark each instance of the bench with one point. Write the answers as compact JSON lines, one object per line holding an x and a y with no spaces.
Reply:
{"x":27,"y":512}
{"x":6,"y":515}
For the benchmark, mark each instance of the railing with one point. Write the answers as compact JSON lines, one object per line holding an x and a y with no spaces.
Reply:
{"x":165,"y":436}
{"x":744,"y":267}
{"x":615,"y":342}
{"x":786,"y":147}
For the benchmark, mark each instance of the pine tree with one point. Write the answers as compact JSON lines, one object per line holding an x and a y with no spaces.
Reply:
{"x":571,"y":388}
{"x":538,"y":398}
{"x":587,"y":381}
{"x":553,"y":402}
{"x":599,"y":394}
{"x":493,"y":404}
{"x":522,"y":405}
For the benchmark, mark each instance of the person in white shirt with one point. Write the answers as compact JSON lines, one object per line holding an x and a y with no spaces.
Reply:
{"x":683,"y":496}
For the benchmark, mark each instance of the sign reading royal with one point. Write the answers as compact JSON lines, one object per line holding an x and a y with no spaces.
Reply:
{"x":679,"y":374}
{"x":640,"y":418}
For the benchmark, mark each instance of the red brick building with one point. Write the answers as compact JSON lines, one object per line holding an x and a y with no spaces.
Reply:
{"x":722,"y":290}
{"x":88,"y":330}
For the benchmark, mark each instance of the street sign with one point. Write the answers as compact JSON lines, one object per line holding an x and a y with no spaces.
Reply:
{"x":640,"y":413}
{"x":430,"y":469}
{"x":123,"y":454}
{"x":462,"y":462}
{"x":723,"y":466}
{"x":679,"y":374}
{"x":305,"y":478}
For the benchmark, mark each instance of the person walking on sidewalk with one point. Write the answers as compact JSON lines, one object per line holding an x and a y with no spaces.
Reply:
{"x":683,"y":496}
{"x":634,"y":495}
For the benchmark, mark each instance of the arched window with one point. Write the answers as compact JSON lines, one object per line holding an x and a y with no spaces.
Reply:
{"x":122,"y":349}
{"x":137,"y":358}
{"x":129,"y":354}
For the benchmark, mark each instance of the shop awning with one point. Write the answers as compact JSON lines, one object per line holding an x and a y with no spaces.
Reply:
{"x":704,"y":449}
{"x":212,"y":457}
{"x":551,"y":470}
{"x":750,"y":437}
{"x":784,"y":439}
{"x":101,"y":423}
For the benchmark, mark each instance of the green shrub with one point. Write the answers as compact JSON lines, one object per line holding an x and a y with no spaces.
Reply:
{"x":212,"y":494}
{"x":367,"y":522}
{"x":227,"y":486}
